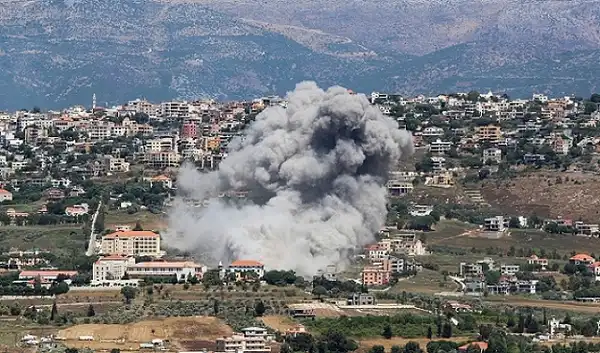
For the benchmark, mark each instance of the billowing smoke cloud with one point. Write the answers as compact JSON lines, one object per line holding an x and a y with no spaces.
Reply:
{"x":315,"y":175}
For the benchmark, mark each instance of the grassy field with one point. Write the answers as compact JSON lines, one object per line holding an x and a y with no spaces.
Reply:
{"x":452,"y":234}
{"x":586,"y":308}
{"x":56,"y":238}
{"x":426,"y":281}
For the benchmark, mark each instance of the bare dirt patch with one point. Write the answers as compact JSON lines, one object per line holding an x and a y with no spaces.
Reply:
{"x":547,"y":194}
{"x":129,"y":336}
{"x":278,"y":322}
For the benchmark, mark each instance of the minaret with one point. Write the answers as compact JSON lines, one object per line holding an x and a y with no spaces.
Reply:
{"x":94,"y":102}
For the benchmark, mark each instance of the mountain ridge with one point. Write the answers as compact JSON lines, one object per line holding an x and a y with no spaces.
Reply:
{"x":55,"y":53}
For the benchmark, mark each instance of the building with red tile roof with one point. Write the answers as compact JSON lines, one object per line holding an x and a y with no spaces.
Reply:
{"x":483,"y":346}
{"x":582,"y":259}
{"x":239,"y":267}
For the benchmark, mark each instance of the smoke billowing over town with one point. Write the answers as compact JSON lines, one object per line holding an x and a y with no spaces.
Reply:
{"x":315,"y":175}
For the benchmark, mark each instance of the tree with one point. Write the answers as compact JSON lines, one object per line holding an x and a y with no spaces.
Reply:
{"x":115,"y":350}
{"x":129,"y":293}
{"x":412,"y":347}
{"x":492,"y":277}
{"x":334,"y":341}
{"x":387,"y":332}
{"x":497,"y":343}
{"x":595,"y":98}
{"x":429,"y":332}
{"x":259,"y":309}
{"x":447,"y":330}
{"x":138,"y":226}
{"x":54,"y":311}
{"x":319,"y":291}
{"x":215,"y":307}
{"x":590,"y":107}
{"x":71,"y":350}
{"x":396,"y":349}
{"x":377,"y":349}
{"x":91,"y":312}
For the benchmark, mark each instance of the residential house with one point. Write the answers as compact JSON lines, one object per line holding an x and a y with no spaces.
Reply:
{"x":163,"y":180}
{"x":77,"y":210}
{"x":131,"y":243}
{"x":537,"y":261}
{"x":509,"y":270}
{"x":5,"y":195}
{"x":361,"y":299}
{"x":495,"y":224}
{"x":480,"y":345}
{"x":582,"y":259}
{"x":241,"y":267}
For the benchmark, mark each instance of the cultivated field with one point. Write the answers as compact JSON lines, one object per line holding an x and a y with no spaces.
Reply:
{"x":57,"y":238}
{"x":129,"y":336}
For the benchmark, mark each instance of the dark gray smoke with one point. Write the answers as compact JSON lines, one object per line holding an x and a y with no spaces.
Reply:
{"x":315,"y":174}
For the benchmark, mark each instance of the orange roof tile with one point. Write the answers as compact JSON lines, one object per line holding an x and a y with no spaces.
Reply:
{"x":4,"y":191}
{"x":582,"y":257}
{"x":482,"y":345}
{"x":246,"y":263}
{"x":132,"y":234}
{"x":161,"y":178}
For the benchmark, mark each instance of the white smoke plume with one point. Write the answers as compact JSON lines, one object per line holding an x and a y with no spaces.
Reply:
{"x":315,"y":173}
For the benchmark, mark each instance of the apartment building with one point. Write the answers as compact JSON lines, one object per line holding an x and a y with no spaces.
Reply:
{"x":493,"y":155}
{"x":251,"y":340}
{"x":438,"y":164}
{"x":116,"y":165}
{"x":538,"y":261}
{"x":181,"y":270}
{"x":164,"y":144}
{"x":495,"y":224}
{"x":509,"y":270}
{"x":175,"y":109}
{"x":161,"y":160}
{"x":491,"y":133}
{"x":109,"y":268}
{"x":375,"y":276}
{"x":438,"y":146}
{"x":131,"y":243}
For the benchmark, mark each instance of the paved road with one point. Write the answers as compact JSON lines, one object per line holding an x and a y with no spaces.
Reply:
{"x":92,"y":243}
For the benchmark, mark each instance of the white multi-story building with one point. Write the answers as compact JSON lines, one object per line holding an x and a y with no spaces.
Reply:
{"x":509,"y":270}
{"x":495,"y":224}
{"x":438,"y":163}
{"x":493,"y":155}
{"x":182,"y":270}
{"x":252,"y":340}
{"x":439,"y":146}
{"x":110,"y":268}
{"x":131,"y":243}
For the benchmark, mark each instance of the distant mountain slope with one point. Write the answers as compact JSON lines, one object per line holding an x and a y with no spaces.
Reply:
{"x":58,"y":52}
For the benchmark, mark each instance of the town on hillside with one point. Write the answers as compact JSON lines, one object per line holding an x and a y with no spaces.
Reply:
{"x":490,"y":242}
